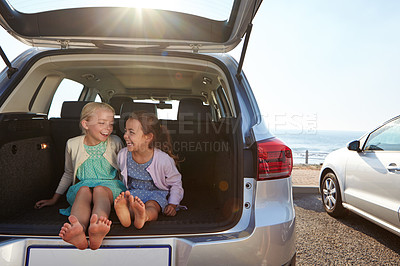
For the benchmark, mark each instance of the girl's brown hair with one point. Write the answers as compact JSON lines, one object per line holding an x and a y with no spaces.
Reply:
{"x":161,"y":138}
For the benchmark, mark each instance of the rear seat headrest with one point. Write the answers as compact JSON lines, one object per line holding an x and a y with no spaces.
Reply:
{"x":117,"y":101}
{"x":72,"y":109}
{"x":192,"y":109}
{"x":129,"y":107}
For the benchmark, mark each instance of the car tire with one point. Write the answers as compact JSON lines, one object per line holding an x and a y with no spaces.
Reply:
{"x":331,"y":197}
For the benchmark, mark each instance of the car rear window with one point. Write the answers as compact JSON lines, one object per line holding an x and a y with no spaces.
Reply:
{"x":216,"y":10}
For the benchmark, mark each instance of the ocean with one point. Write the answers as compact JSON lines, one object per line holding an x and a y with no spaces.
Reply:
{"x":318,"y":143}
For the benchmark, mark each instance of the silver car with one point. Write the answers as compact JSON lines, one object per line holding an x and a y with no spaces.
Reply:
{"x":365,"y":177}
{"x":236,"y":175}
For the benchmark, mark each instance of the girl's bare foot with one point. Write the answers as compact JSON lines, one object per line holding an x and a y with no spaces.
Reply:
{"x":98,"y":229}
{"x":139,"y":210}
{"x":122,"y":209}
{"x":74,"y":233}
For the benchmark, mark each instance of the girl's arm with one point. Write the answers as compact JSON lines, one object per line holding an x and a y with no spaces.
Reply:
{"x":65,"y":181}
{"x":121,"y":161}
{"x":49,"y":202}
{"x":174,"y":182}
{"x":67,"y":177}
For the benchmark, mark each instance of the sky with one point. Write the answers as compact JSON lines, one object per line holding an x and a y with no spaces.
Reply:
{"x":318,"y":64}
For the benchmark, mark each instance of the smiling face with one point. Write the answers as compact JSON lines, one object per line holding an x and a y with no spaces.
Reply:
{"x":136,"y":140}
{"x":98,"y":126}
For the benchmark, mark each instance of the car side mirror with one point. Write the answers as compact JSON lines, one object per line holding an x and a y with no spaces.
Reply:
{"x":354,"y":146}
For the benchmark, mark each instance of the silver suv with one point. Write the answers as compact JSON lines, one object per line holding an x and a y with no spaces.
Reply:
{"x":236,"y":175}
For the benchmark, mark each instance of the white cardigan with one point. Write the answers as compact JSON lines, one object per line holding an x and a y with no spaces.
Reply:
{"x":75,"y":155}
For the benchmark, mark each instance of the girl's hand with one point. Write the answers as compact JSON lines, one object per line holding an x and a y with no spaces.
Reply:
{"x":170,"y":210}
{"x":49,"y":202}
{"x":42,"y":203}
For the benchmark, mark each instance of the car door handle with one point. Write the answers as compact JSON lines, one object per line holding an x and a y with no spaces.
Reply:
{"x":393,"y":167}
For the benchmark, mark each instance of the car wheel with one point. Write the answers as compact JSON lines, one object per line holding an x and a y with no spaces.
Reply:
{"x":331,"y":197}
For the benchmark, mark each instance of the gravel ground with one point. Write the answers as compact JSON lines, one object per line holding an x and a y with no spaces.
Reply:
{"x":305,"y":177}
{"x":352,"y":240}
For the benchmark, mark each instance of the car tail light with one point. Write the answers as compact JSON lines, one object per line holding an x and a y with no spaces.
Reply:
{"x":274,"y":159}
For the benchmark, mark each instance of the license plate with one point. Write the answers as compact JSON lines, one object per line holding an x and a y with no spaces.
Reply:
{"x":126,"y":255}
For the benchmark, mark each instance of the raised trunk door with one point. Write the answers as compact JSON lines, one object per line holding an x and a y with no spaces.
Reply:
{"x":96,"y":24}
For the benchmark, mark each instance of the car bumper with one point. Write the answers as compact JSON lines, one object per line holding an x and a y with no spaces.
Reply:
{"x":265,"y":246}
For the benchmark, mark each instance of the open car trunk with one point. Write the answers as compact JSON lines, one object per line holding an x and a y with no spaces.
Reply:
{"x":32,"y":150}
{"x":29,"y":173}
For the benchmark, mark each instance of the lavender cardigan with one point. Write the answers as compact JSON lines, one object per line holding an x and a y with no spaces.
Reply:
{"x":163,"y":171}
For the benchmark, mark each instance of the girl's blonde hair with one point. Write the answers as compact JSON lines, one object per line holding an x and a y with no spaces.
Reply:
{"x":90,"y":108}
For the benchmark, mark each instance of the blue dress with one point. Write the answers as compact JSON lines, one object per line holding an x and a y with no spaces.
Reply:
{"x":95,"y":171}
{"x":141,"y":184}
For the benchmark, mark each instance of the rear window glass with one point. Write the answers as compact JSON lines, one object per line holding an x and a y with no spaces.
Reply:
{"x":164,"y":113}
{"x":216,"y":10}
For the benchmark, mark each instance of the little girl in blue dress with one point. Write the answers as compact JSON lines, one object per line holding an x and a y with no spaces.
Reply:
{"x":91,"y":168}
{"x":148,"y":169}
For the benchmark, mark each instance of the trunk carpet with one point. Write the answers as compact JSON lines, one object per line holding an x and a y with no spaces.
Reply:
{"x":47,"y":221}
